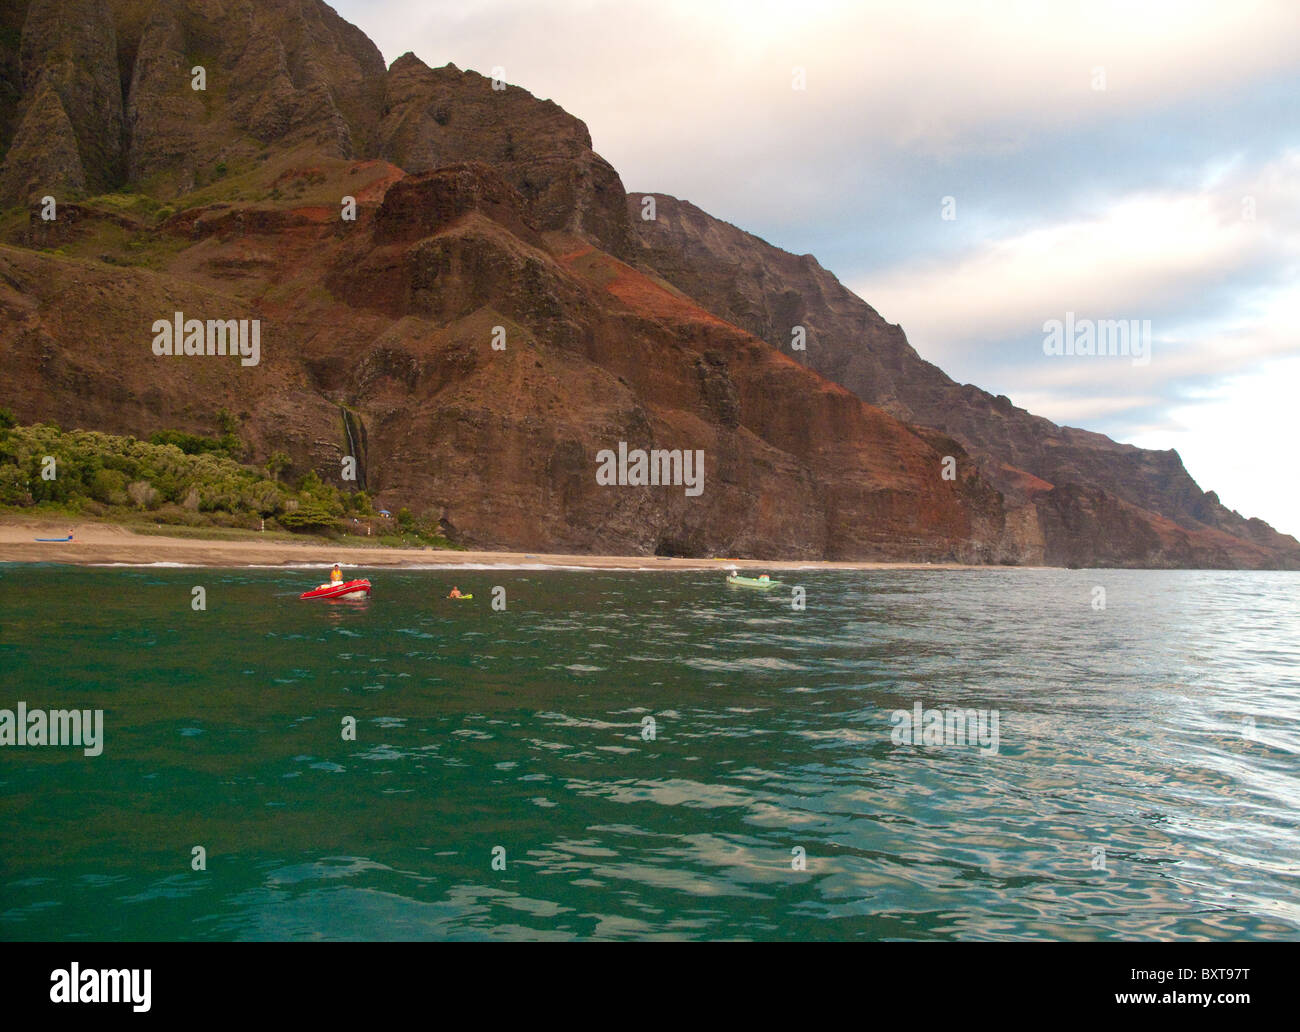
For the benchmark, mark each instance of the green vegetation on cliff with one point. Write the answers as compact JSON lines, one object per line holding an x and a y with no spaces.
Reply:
{"x":174,"y":478}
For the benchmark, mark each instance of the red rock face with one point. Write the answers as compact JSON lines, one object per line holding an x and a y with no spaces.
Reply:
{"x":484,"y":217}
{"x":504,"y":444}
{"x":1165,"y":518}
{"x":500,"y":445}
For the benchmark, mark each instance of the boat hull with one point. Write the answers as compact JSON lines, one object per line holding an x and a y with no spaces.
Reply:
{"x":749,"y":582}
{"x":348,"y":589}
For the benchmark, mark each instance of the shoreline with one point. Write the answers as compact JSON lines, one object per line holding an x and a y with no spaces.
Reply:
{"x":112,"y":544}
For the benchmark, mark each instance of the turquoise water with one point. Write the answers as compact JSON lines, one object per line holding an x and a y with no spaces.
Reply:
{"x":1125,"y":737}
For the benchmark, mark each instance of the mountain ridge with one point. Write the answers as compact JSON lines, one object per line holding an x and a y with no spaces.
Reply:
{"x":727,"y":269}
{"x":481,"y":208}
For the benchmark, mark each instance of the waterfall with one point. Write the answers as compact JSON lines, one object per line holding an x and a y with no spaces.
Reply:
{"x":352,"y":449}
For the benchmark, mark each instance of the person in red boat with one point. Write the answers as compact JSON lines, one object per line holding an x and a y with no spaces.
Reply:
{"x":339,"y":587}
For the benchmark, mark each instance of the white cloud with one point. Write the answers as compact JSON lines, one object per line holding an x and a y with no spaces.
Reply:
{"x":681,"y":96}
{"x":1241,"y":443}
{"x":1138,"y":258}
{"x":1212,"y":376}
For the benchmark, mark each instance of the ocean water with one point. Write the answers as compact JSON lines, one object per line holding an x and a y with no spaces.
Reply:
{"x":1145,"y":784}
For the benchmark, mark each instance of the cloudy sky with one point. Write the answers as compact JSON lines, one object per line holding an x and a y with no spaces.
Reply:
{"x":1117,"y":160}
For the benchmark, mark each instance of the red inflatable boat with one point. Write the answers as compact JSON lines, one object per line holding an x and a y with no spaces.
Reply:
{"x":348,"y":589}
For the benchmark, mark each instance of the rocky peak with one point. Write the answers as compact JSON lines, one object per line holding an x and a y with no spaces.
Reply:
{"x":435,"y":116}
{"x":278,"y":72}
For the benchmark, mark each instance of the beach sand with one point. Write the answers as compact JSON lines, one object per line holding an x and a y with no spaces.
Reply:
{"x":100,"y":543}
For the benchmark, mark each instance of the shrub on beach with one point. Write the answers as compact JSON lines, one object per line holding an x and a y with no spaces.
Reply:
{"x":180,"y":477}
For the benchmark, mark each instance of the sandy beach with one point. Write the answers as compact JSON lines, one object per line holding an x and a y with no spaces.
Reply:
{"x":104,"y":543}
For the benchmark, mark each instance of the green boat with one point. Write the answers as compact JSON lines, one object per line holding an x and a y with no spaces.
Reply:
{"x":761,"y":583}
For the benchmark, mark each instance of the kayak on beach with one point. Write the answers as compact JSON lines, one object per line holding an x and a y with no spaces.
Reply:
{"x":68,"y":538}
{"x":344,"y":589}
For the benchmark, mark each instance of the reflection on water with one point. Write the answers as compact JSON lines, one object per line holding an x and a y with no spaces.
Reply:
{"x":1145,"y":784}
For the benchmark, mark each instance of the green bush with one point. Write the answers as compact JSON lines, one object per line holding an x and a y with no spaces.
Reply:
{"x":190,"y":444}
{"x":186,"y":478}
{"x":308,"y":516}
{"x":108,"y":486}
{"x":13,"y":486}
{"x":277,"y":464}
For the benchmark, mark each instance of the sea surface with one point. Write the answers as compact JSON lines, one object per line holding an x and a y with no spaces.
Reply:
{"x":504,"y":782}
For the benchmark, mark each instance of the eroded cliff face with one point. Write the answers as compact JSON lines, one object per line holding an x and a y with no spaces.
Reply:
{"x":12,"y":17}
{"x":68,"y":133}
{"x":768,"y":291}
{"x":110,"y":84}
{"x":501,"y":445}
{"x":276,"y":72}
{"x":484,"y":216}
{"x":436,"y":116}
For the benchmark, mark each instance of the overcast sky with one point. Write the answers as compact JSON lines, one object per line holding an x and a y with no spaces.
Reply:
{"x":1118,"y":160}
